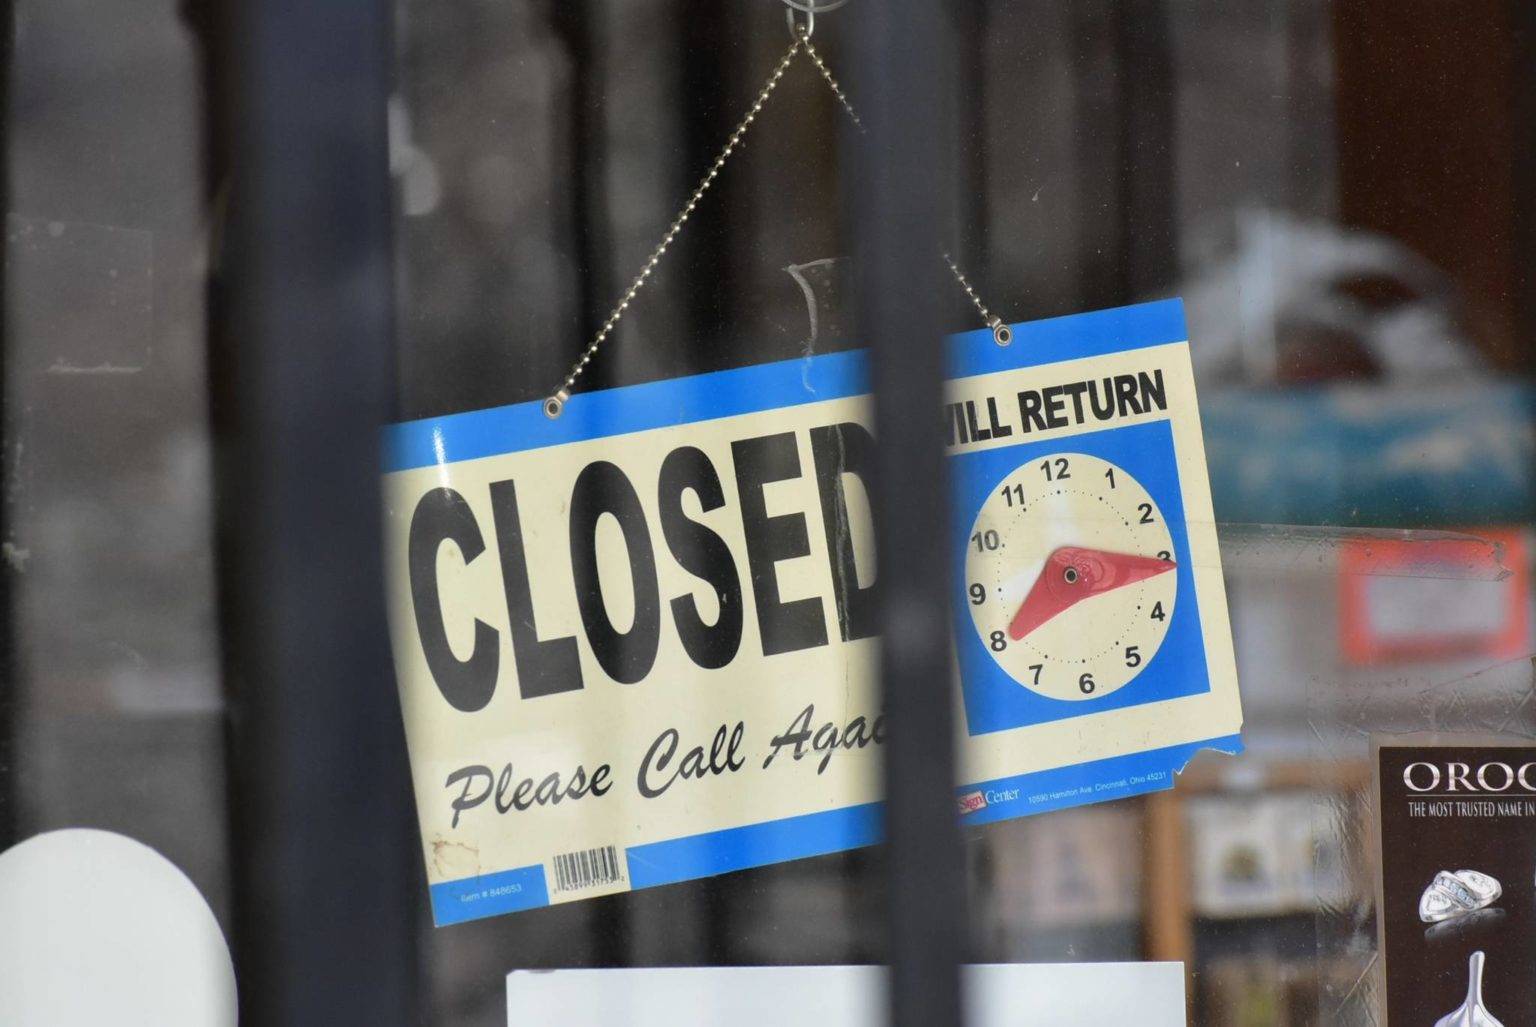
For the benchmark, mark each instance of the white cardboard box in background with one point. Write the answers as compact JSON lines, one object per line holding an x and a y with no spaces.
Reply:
{"x":1059,"y":994}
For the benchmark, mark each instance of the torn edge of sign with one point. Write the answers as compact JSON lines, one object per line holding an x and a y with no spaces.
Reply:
{"x":1117,"y":777}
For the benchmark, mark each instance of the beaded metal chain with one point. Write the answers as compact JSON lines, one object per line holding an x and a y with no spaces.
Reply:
{"x":801,"y":31}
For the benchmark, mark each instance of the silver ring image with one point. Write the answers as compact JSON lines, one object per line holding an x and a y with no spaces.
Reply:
{"x":1457,"y":893}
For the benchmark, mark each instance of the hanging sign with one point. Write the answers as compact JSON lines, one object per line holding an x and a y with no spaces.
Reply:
{"x":636,"y":643}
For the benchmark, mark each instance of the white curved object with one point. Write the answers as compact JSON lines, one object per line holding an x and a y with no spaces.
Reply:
{"x":96,"y":928}
{"x":1472,"y":1012}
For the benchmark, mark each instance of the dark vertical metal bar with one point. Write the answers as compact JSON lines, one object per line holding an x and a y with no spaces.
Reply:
{"x":10,"y":705}
{"x":584,"y":138}
{"x":969,"y":105}
{"x":1096,"y":96}
{"x":1146,"y":123}
{"x":325,"y":918}
{"x":705,"y":250}
{"x":592,"y":244}
{"x":1125,"y":83}
{"x":901,"y":189}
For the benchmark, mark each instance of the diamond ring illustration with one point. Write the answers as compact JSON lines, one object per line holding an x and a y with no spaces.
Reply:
{"x":1453,"y":894}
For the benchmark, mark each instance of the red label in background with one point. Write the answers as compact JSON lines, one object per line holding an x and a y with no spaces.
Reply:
{"x":1418,"y":600}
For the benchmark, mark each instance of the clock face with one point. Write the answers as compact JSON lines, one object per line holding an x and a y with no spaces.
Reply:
{"x":1069,"y":576}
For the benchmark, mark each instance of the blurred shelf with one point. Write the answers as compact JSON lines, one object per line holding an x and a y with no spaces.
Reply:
{"x":1173,"y":929}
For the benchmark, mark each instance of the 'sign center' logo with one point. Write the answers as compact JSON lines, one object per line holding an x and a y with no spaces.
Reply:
{"x":970,"y":802}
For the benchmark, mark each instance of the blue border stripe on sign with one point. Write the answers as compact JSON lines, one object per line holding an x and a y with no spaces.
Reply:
{"x":747,"y":390}
{"x":755,"y":845}
{"x":816,"y":834}
{"x":1116,"y":778}
{"x":471,"y":898}
{"x":1068,"y":338}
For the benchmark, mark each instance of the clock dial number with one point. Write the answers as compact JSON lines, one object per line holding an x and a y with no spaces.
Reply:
{"x":998,"y":641}
{"x":986,"y":540}
{"x":978,"y":593}
{"x":1014,"y":494}
{"x":1146,"y":512}
{"x":1085,"y":684}
{"x":1133,"y":656}
{"x":1037,"y":668}
{"x":1055,"y":468}
{"x":1157,"y":612}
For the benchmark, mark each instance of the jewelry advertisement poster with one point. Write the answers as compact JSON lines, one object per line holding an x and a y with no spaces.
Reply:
{"x":635,"y":641}
{"x":1458,"y":904}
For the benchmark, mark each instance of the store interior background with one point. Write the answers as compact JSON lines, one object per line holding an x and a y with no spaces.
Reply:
{"x":1342,"y":193}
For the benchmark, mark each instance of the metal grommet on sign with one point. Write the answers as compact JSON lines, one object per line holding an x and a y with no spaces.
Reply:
{"x":1001,"y":333}
{"x":555,"y":404}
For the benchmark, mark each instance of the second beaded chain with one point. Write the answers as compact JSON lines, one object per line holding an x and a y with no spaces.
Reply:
{"x":555,"y":404}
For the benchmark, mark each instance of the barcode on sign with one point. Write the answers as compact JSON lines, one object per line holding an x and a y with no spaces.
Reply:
{"x":589,"y":867}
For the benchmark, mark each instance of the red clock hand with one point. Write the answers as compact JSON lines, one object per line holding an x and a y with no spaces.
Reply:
{"x":1073,"y":574}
